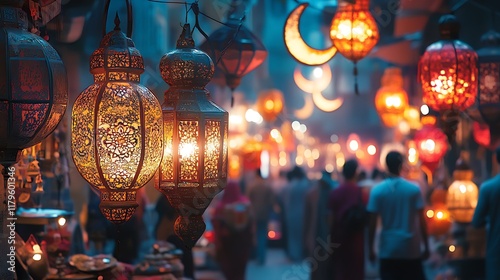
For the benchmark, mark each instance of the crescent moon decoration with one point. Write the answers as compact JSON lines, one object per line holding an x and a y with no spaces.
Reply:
{"x":315,"y":85}
{"x":324,"y":104}
{"x":296,"y":46}
{"x":307,"y":110}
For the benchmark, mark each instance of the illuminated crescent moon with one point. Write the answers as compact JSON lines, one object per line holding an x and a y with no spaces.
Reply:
{"x":296,"y":46}
{"x":306,"y":111}
{"x":315,"y":85}
{"x":325,"y":104}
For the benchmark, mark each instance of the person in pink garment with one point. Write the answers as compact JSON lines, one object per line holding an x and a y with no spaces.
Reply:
{"x":348,"y":258}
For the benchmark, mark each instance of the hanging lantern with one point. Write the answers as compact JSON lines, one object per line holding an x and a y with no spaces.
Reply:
{"x":462,"y":194}
{"x":412,"y":117}
{"x":270,"y":104}
{"x":391,"y":100}
{"x":33,"y":84}
{"x":432,"y":145}
{"x":237,"y":48}
{"x":438,"y":220}
{"x":489,"y":83}
{"x":195,"y":158}
{"x":116,"y":126}
{"x":448,"y":74}
{"x":481,"y":134}
{"x":354,"y":31}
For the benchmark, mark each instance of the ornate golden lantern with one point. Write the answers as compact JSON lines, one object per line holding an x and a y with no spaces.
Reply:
{"x":194,"y":165}
{"x":391,"y":99}
{"x":462,"y":194}
{"x":117,"y":127}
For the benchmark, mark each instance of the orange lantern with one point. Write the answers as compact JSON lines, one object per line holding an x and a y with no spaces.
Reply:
{"x":481,"y":134}
{"x":270,"y":104}
{"x":462,"y":194}
{"x":438,"y":219}
{"x":391,"y":99}
{"x":412,"y":117}
{"x":438,"y":196}
{"x":431,"y":144}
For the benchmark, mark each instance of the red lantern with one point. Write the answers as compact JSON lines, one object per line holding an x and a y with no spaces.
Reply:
{"x":431,"y":144}
{"x":481,"y":134}
{"x":438,"y":219}
{"x":238,"y":49}
{"x":489,"y":83}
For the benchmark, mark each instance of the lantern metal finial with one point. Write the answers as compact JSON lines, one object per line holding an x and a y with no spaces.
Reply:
{"x":449,"y":27}
{"x":117,"y":22}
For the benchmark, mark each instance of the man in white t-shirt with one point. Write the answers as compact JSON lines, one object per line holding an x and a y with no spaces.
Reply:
{"x":399,"y":204}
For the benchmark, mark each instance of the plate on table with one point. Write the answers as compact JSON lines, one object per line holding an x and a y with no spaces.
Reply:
{"x":72,"y":277}
{"x":97,"y":263}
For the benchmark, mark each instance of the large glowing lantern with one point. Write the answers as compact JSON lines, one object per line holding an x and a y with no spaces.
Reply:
{"x":354,"y":32}
{"x":238,"y":50}
{"x":195,"y":157}
{"x":391,"y":99}
{"x":448,"y":74}
{"x":462,"y":194}
{"x":438,"y":219}
{"x":270,"y":104}
{"x":432,"y":145}
{"x":489,"y":83}
{"x":33,"y":84}
{"x":116,"y":127}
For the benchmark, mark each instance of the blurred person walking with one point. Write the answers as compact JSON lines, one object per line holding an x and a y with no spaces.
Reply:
{"x":294,"y":207}
{"x":399,"y":204}
{"x":233,"y":227}
{"x":316,"y":224}
{"x":488,"y":213}
{"x":262,"y":199}
{"x":348,"y":221}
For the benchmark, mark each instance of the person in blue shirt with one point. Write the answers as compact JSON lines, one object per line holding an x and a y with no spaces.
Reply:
{"x":488,"y":213}
{"x":399,"y":204}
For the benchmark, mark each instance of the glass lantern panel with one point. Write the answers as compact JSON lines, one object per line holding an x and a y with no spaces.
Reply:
{"x":212,"y":149}
{"x":167,"y":164}
{"x":189,"y":153}
{"x":119,"y":135}
{"x":489,"y":83}
{"x":224,"y":152}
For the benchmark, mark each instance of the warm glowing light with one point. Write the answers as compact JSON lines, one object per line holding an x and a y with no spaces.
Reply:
{"x":360,"y":154}
{"x":253,"y":116}
{"x":439,"y":215}
{"x":371,"y":149}
{"x":317,"y":72}
{"x":340,"y":161}
{"x":424,"y":109}
{"x":299,"y":160}
{"x":315,"y":154}
{"x":37,"y":257}
{"x":404,"y":127}
{"x":271,"y":234}
{"x":462,"y":196}
{"x":303,"y":128}
{"x":428,"y":145}
{"x":412,"y":156}
{"x":310,"y":163}
{"x":329,"y":167}
{"x":430,"y":214}
{"x":353,"y":30}
{"x":307,"y":153}
{"x":186,"y":150}
{"x":269,"y":105}
{"x":391,"y":100}
{"x":235,"y":120}
{"x":451,"y":248}
{"x":353,"y":145}
{"x":36,"y":248}
{"x":275,"y":133}
{"x":336,"y":147}
{"x":61,"y":221}
{"x":296,"y":125}
{"x":282,"y":161}
{"x":463,"y":188}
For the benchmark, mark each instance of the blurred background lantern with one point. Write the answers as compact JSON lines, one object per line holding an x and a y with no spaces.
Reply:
{"x":354,"y":31}
{"x":116,"y":126}
{"x":448,"y":74}
{"x":412,"y":117}
{"x":195,"y":158}
{"x":462,"y":194}
{"x":432,"y":145}
{"x":391,"y":99}
{"x":33,"y":84}
{"x":438,"y":219}
{"x":250,"y":154}
{"x":234,"y":47}
{"x":270,"y":104}
{"x":481,"y":134}
{"x":489,"y":83}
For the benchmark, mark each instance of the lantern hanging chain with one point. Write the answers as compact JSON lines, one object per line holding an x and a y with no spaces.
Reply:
{"x":117,"y":20}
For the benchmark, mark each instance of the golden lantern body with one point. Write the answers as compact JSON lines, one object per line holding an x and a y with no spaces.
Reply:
{"x":391,"y":99}
{"x":462,"y":195}
{"x":195,"y":157}
{"x":270,"y":104}
{"x":117,"y":127}
{"x":354,"y":31}
{"x":438,"y":220}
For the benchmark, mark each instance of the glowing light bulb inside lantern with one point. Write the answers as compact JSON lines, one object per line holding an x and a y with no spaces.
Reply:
{"x":424,"y":109}
{"x":452,"y":248}
{"x":61,"y":221}
{"x":439,"y":215}
{"x":269,"y":105}
{"x":412,"y":156}
{"x":317,"y":73}
{"x":275,"y":133}
{"x":428,"y":145}
{"x":463,"y":189}
{"x":353,"y":145}
{"x":37,"y":252}
{"x":186,"y":150}
{"x":372,"y":150}
{"x":393,"y":102}
{"x":430,"y":214}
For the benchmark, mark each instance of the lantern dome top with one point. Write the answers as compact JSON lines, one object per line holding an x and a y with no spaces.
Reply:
{"x":186,"y":66}
{"x":116,"y":58}
{"x":490,"y":39}
{"x":449,"y":27}
{"x":463,"y":170}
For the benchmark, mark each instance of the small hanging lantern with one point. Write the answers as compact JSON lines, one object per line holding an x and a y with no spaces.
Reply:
{"x":462,"y":194}
{"x":489,"y":83}
{"x":116,"y":126}
{"x":33,"y":84}
{"x":195,"y":157}
{"x":354,"y":31}
{"x":448,"y":74}
{"x":391,"y":100}
{"x":270,"y":104}
{"x":432,"y":145}
{"x":237,"y":48}
{"x":438,"y":220}
{"x":481,"y":134}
